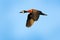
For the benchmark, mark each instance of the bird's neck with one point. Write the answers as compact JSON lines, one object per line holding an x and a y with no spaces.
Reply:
{"x":30,"y":11}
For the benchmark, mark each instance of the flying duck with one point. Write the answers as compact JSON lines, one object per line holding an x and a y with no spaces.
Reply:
{"x":32,"y":16}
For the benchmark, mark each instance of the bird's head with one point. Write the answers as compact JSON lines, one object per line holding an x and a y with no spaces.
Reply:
{"x":24,"y":11}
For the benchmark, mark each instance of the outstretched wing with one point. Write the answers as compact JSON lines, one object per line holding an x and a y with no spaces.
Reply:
{"x":30,"y":20}
{"x":36,"y":14}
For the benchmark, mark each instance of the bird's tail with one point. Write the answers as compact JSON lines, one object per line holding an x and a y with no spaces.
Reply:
{"x":43,"y":14}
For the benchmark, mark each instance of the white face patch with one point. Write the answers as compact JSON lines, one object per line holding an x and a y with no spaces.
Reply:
{"x":22,"y":11}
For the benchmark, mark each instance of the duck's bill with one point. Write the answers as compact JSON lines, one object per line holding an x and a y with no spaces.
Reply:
{"x":21,"y":12}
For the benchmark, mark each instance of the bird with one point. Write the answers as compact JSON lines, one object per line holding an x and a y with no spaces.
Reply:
{"x":32,"y":16}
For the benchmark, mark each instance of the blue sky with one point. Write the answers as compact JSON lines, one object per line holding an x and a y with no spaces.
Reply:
{"x":12,"y":23}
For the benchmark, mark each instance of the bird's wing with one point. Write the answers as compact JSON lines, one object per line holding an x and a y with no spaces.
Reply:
{"x":30,"y":21}
{"x":36,"y":15}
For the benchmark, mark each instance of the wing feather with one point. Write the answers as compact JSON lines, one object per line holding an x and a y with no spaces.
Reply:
{"x":30,"y":21}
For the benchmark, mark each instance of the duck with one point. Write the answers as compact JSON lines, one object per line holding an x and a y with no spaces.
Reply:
{"x":33,"y":15}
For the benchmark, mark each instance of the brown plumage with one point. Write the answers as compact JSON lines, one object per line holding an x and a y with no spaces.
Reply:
{"x":32,"y":16}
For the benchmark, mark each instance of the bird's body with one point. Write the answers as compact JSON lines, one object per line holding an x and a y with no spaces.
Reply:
{"x":33,"y":16}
